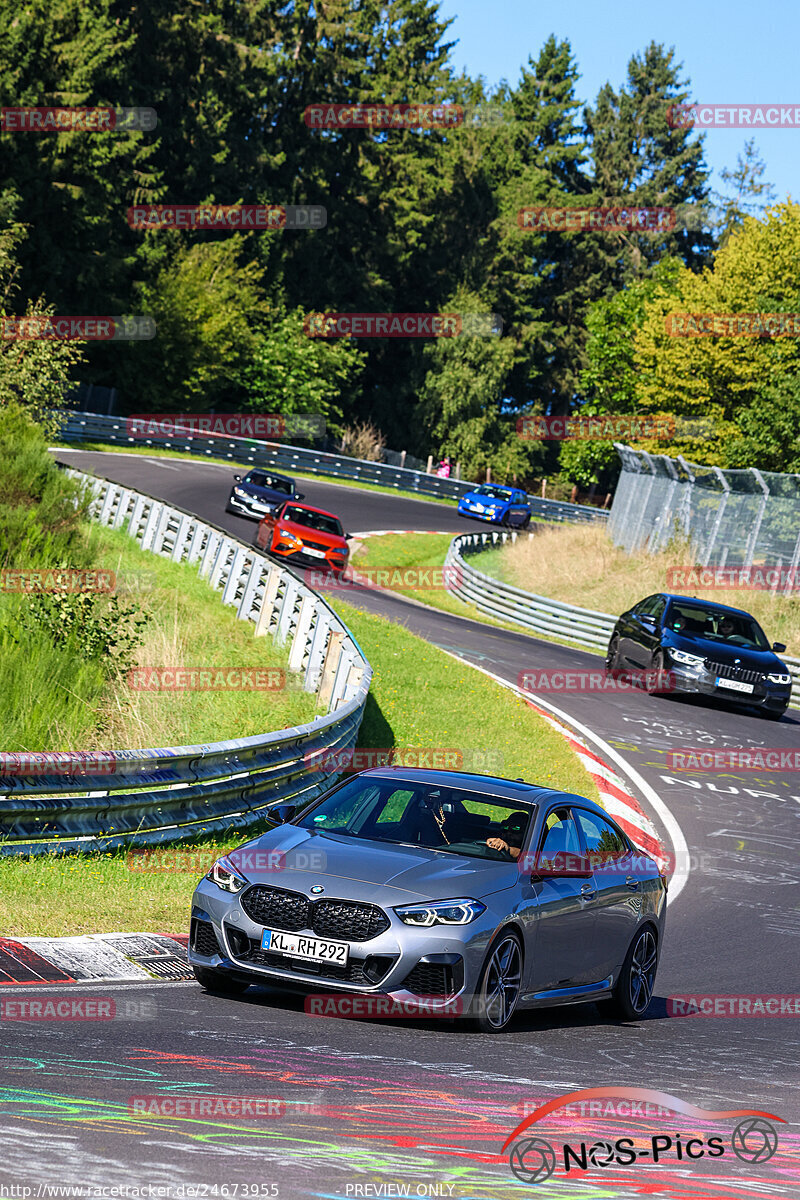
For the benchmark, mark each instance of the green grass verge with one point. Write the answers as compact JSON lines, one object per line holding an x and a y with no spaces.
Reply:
{"x":420,"y":697}
{"x":427,"y":551}
{"x":153,"y":452}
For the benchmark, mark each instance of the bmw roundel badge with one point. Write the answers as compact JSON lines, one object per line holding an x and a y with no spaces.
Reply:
{"x":316,"y":889}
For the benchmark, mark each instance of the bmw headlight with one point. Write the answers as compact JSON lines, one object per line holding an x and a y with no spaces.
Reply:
{"x":442,"y":912}
{"x":242,"y":493}
{"x":779,"y":678}
{"x":225,"y":876}
{"x":688,"y":660}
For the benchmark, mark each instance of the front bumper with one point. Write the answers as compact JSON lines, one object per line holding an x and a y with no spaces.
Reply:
{"x":464,"y":511}
{"x":296,"y":554}
{"x":774,"y":697}
{"x":434,"y":966}
{"x":247,"y":507}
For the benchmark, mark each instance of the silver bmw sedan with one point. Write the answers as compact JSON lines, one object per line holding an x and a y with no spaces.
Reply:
{"x":447,"y":892}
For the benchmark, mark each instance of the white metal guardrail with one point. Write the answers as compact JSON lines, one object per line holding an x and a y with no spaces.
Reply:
{"x":549,"y":618}
{"x":91,"y":427}
{"x":178,"y":792}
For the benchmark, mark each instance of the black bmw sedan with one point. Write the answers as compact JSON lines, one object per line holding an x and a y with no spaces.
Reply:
{"x":260,"y":492}
{"x":707,"y":648}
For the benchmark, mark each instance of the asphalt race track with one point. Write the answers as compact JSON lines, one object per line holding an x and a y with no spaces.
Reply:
{"x":421,"y":1105}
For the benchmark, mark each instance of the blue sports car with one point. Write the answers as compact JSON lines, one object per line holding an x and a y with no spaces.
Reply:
{"x":498,"y":505}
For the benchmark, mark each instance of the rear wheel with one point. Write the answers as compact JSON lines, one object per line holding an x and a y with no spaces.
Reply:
{"x":633,"y":990}
{"x":218,"y":983}
{"x":500,"y":985}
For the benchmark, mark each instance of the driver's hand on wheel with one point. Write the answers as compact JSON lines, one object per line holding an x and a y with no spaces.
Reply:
{"x":499,"y":844}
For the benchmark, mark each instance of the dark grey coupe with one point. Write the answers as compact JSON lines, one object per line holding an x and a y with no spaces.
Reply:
{"x":492,"y":894}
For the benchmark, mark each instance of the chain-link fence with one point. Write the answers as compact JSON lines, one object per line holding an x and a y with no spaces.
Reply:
{"x":733,"y":518}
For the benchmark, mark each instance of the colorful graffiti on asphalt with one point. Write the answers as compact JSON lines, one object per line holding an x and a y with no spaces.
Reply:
{"x":375,"y":1119}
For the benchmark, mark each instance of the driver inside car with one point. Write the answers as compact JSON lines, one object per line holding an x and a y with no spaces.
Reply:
{"x":513,"y":832}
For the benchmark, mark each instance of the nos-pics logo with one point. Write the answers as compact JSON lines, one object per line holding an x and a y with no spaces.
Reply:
{"x":534,"y":1159}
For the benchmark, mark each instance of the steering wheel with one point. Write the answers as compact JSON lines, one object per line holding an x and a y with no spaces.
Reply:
{"x":486,"y":851}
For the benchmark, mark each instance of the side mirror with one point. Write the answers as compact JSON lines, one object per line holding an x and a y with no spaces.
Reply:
{"x":778,"y":647}
{"x":648,"y":622}
{"x":560,"y":865}
{"x":237,"y":479}
{"x":300,"y":496}
{"x":282,"y":813}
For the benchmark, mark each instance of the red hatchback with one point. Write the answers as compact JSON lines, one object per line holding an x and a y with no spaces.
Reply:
{"x":307,"y":536}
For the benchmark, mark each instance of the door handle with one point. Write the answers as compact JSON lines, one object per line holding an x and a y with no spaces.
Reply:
{"x":587,"y":891}
{"x":632,"y":883}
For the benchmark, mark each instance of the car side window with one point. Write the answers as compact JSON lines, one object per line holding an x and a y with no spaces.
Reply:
{"x":601,"y":837}
{"x":659,"y":608}
{"x":560,"y":835}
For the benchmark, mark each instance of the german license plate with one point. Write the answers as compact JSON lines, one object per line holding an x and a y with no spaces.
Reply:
{"x":314,"y":553}
{"x":734,"y":685}
{"x":297,"y":945}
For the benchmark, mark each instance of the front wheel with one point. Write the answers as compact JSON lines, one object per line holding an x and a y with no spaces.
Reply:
{"x":500,"y":985}
{"x":218,"y":983}
{"x":633,"y":990}
{"x":526,"y":522}
{"x":612,"y":657}
{"x":657,"y":684}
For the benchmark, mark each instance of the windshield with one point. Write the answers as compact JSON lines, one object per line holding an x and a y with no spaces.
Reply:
{"x":716,"y":625}
{"x":497,"y":493}
{"x":313,"y":520}
{"x":433,"y":817}
{"x":273,"y":482}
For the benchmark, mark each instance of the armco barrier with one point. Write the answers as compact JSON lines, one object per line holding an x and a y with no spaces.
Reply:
{"x":180,"y":792}
{"x":90,"y":427}
{"x":548,"y":618}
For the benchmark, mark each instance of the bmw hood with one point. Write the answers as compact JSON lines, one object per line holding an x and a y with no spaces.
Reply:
{"x":351,"y":869}
{"x":262,"y":493}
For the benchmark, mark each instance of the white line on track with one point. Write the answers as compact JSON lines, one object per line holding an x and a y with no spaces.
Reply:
{"x":681,"y":850}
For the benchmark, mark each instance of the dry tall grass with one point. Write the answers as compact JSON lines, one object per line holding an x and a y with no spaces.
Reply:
{"x":579,"y":565}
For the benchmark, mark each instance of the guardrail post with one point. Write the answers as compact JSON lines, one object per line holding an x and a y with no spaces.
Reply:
{"x":287,"y":610}
{"x":156,"y":509}
{"x":198,"y":543}
{"x":181,"y":537}
{"x":754,"y":532}
{"x":222,"y":558}
{"x":268,"y":602}
{"x":122,"y":509}
{"x":340,"y":678}
{"x":212,"y":545}
{"x":250,"y":589}
{"x":301,"y":634}
{"x":234,"y":576}
{"x":316,"y":655}
{"x":329,"y":667}
{"x":112,"y":492}
{"x":136,"y":516}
